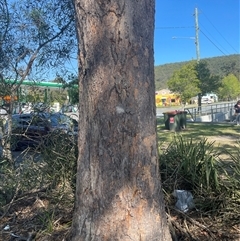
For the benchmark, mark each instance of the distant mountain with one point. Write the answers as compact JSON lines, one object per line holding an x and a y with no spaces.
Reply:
{"x":222,"y":66}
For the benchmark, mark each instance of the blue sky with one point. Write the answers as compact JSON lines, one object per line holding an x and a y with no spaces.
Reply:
{"x":219,"y":29}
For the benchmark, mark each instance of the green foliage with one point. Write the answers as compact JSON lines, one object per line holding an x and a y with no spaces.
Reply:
{"x":47,"y":219}
{"x":234,"y":176}
{"x":8,"y":184}
{"x":19,"y":179}
{"x":193,"y":78}
{"x":184,"y":81}
{"x":73,"y":91}
{"x":194,"y":165}
{"x":50,"y":165}
{"x":164,"y":72}
{"x":231,"y":66}
{"x":37,"y":37}
{"x":230,"y":88}
{"x":207,"y":81}
{"x":218,"y":66}
{"x":60,"y":154}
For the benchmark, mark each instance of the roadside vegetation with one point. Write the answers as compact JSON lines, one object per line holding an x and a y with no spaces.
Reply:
{"x":37,"y":190}
{"x":203,"y":159}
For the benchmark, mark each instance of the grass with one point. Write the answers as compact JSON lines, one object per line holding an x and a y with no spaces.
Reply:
{"x":204,"y":158}
{"x":225,"y":135}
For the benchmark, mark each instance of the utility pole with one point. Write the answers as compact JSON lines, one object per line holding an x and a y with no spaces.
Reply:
{"x":196,"y":36}
{"x":198,"y":55}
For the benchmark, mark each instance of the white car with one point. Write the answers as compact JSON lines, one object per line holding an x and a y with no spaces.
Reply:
{"x":3,"y":111}
{"x":206,"y":100}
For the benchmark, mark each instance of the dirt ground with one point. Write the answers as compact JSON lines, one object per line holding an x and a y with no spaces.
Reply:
{"x":37,"y":216}
{"x":34,"y":217}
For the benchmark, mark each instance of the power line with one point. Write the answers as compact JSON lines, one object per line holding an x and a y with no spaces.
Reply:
{"x":219,"y":32}
{"x":212,"y":42}
{"x":173,"y":27}
{"x":209,"y":34}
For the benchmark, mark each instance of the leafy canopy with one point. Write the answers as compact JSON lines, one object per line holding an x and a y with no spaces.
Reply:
{"x":192,"y":79}
{"x":36,"y":37}
{"x":207,"y":81}
{"x":230,"y":88}
{"x":185,"y":82}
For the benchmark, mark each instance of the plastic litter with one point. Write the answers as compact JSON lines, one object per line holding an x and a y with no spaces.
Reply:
{"x":184,"y":200}
{"x":6,"y":228}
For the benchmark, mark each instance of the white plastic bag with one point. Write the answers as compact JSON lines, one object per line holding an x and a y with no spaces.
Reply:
{"x":184,"y":200}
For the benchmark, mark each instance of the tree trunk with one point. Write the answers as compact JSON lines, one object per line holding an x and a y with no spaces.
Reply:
{"x":118,"y":194}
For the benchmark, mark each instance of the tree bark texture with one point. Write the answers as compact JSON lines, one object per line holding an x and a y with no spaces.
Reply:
{"x":118,"y":194}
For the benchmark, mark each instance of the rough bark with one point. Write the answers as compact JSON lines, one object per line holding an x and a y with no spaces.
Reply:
{"x":118,"y":194}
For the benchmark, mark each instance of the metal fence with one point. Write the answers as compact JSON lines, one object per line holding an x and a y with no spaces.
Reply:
{"x":218,"y":111}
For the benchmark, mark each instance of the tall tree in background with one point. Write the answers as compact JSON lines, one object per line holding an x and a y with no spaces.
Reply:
{"x":35,"y":37}
{"x":193,"y":79}
{"x":208,"y":82}
{"x":230,"y":88}
{"x":185,"y":82}
{"x":118,"y":193}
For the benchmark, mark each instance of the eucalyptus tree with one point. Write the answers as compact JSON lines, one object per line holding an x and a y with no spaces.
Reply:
{"x":118,"y":191}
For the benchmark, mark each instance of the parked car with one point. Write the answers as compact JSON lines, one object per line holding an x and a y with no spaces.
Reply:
{"x":33,"y":129}
{"x":3,"y":111}
{"x":206,"y":100}
{"x":70,"y":110}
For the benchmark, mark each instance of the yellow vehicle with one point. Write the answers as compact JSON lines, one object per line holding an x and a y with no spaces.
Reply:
{"x":170,"y":99}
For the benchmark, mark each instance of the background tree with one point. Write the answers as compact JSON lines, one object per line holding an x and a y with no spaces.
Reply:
{"x":185,"y":82}
{"x":36,"y":40}
{"x":118,"y":193}
{"x":220,"y":66}
{"x":38,"y":35}
{"x":207,"y":81}
{"x":232,"y":67}
{"x":230,"y":88}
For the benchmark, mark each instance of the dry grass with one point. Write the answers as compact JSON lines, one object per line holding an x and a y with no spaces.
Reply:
{"x":38,"y":216}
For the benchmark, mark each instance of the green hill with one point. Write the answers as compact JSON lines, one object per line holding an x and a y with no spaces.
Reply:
{"x":222,"y":66}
